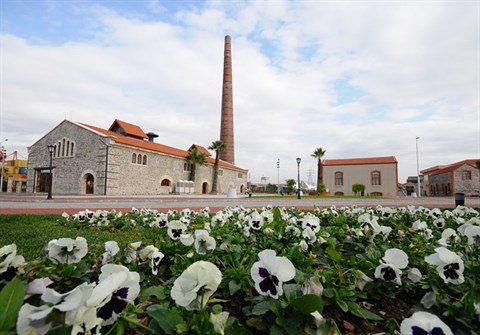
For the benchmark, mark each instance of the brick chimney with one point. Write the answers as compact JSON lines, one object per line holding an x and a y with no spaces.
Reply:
{"x":226,"y":125}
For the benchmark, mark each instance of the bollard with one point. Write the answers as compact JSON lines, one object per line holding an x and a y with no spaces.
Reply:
{"x":459,"y":199}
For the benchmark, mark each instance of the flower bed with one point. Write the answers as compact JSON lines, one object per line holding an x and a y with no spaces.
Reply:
{"x":253,"y":271}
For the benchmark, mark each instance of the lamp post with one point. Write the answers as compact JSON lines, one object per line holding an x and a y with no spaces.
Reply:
{"x":278,"y":176}
{"x":3,"y":164}
{"x":418,"y":171}
{"x":50,"y":179}
{"x":298,"y":169}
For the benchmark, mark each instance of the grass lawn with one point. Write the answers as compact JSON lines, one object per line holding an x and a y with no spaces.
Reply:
{"x":31,"y":233}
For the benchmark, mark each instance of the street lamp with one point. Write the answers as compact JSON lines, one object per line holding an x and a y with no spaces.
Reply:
{"x":3,"y":163}
{"x":418,"y":171}
{"x":298,"y":169}
{"x":278,"y":176}
{"x":50,"y":150}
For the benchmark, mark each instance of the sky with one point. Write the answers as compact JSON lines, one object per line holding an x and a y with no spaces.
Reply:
{"x":356,"y":78}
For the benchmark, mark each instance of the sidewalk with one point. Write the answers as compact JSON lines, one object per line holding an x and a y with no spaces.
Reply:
{"x":38,"y":204}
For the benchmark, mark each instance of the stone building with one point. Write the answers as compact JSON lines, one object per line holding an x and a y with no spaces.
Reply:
{"x":459,"y":177}
{"x":120,"y":160}
{"x":378,"y":174}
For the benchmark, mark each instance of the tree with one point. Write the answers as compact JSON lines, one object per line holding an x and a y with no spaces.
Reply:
{"x":196,"y":157}
{"x":318,"y":154}
{"x":290,"y":185}
{"x":356,"y":188}
{"x":218,"y":146}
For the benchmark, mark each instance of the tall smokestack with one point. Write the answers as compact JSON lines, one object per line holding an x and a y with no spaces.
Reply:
{"x":226,"y":125}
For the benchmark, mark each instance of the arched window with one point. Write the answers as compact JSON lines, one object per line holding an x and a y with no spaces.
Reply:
{"x":375,"y":177}
{"x":145,"y":160}
{"x":165,"y":182}
{"x":338,"y":178}
{"x":134,"y":158}
{"x":139,"y":159}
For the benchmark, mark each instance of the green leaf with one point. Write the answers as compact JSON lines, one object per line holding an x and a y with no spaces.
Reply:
{"x":261,"y":308}
{"x":234,"y":286}
{"x":11,"y":297}
{"x":168,"y":320}
{"x":362,"y":312}
{"x":334,"y":254}
{"x":154,"y":291}
{"x":308,"y":303}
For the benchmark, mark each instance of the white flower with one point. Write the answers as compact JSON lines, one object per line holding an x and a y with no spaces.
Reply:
{"x":196,"y":285}
{"x":219,"y":321}
{"x":203,"y":242}
{"x":449,"y":265}
{"x":67,"y":250}
{"x":270,"y":272}
{"x":424,"y":323}
{"x":117,"y":287}
{"x":428,"y":299}
{"x":111,"y":249}
{"x":10,"y":262}
{"x":176,"y":229}
{"x":32,"y":320}
{"x":395,"y":259}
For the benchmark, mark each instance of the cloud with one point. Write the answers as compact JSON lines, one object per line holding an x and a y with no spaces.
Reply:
{"x":359,"y":79}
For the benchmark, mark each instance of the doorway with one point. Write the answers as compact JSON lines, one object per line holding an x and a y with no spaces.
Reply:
{"x":89,"y":184}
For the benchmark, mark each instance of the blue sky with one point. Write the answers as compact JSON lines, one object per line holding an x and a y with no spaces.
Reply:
{"x":357,"y":78}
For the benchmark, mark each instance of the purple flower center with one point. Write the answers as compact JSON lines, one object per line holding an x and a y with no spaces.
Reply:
{"x":115,"y":305}
{"x":269,"y":283}
{"x":420,"y":331}
{"x":388,"y":273}
{"x":450,"y":270}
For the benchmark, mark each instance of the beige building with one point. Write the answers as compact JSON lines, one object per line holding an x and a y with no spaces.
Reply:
{"x":121,"y":160}
{"x":378,"y":174}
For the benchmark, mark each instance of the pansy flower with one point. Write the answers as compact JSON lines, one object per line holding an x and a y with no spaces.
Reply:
{"x":10,"y":262}
{"x":390,"y":269}
{"x":449,"y":265}
{"x":196,"y":285}
{"x":203,"y":242}
{"x":270,"y":272}
{"x":175,"y":229}
{"x":111,"y":249}
{"x":423,"y":323}
{"x":67,"y":250}
{"x":256,"y":220}
{"x":117,"y":287}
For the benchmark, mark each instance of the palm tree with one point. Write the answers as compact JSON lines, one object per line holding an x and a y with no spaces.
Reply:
{"x":196,"y":157}
{"x":218,"y":146}
{"x":318,"y":154}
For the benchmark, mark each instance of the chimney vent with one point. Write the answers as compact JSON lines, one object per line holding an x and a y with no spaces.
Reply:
{"x":151,"y":136}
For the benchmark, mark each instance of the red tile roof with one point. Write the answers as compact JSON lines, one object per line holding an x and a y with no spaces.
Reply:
{"x":156,"y":147}
{"x":454,"y":166}
{"x":129,"y":129}
{"x":360,"y":161}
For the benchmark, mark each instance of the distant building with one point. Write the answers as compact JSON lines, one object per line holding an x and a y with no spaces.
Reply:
{"x":459,"y":177}
{"x":14,"y":174}
{"x":121,"y":160}
{"x":378,"y":174}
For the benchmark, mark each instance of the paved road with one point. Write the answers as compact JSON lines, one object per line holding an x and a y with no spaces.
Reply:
{"x":35,"y":204}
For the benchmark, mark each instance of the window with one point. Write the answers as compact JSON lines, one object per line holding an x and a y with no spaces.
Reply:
{"x":376,"y":178}
{"x":466,"y":175}
{"x":134,"y":158}
{"x":165,"y":182}
{"x":338,"y":178}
